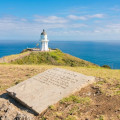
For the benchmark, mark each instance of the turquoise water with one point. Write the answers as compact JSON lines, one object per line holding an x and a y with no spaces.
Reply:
{"x":100,"y":53}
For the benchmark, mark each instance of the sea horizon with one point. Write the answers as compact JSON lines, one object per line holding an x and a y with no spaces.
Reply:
{"x":98,"y":52}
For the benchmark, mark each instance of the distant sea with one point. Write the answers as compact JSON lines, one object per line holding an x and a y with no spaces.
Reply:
{"x":101,"y":53}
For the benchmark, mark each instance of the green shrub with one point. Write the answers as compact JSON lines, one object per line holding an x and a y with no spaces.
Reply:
{"x":106,"y":66}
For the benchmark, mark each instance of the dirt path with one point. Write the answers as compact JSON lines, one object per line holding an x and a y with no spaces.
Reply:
{"x":8,"y":59}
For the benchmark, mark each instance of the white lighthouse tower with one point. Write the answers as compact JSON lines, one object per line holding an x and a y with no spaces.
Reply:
{"x":44,"y":41}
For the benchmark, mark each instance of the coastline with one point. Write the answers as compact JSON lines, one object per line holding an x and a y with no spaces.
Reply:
{"x":95,"y":52}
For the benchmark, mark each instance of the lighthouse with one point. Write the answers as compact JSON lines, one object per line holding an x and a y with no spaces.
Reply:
{"x":44,"y":41}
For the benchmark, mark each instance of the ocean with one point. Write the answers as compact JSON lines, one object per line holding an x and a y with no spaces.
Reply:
{"x":101,"y":53}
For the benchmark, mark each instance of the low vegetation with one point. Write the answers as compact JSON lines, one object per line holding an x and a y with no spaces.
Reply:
{"x":11,"y":58}
{"x":75,"y":99}
{"x":106,"y":66}
{"x":54,"y":57}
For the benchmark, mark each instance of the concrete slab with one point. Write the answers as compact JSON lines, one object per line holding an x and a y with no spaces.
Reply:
{"x":48,"y":88}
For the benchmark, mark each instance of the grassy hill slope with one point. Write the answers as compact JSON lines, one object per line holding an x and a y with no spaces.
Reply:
{"x":98,"y":101}
{"x":54,"y":57}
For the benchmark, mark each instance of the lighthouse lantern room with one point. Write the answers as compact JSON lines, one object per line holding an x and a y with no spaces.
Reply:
{"x":44,"y":41}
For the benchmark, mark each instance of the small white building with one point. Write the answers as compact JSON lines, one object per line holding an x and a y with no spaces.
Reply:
{"x":44,"y":41}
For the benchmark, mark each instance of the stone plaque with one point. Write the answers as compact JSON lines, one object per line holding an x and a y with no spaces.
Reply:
{"x":48,"y":88}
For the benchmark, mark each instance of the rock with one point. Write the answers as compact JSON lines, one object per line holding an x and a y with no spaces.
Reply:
{"x":10,"y":112}
{"x":97,"y":90}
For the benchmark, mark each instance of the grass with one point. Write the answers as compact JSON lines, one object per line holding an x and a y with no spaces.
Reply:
{"x":52,"y":107}
{"x":101,"y":118}
{"x":75,"y":99}
{"x":16,"y":56}
{"x":18,"y":73}
{"x":13,"y":74}
{"x":71,"y":117}
{"x":55,"y":57}
{"x":73,"y":110}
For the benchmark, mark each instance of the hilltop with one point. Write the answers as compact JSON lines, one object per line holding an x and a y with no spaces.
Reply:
{"x":53,"y":57}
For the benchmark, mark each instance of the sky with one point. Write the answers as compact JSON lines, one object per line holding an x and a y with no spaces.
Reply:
{"x":83,"y":20}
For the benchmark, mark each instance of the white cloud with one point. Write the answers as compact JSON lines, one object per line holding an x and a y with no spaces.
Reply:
{"x":115,"y":8}
{"x":96,"y":16}
{"x":74,"y":17}
{"x":25,"y":28}
{"x":78,"y":25}
{"x":23,"y":19}
{"x":22,"y":25}
{"x":96,"y":31}
{"x":114,"y":27}
{"x":50,"y":19}
{"x":86,"y":17}
{"x":111,"y":29}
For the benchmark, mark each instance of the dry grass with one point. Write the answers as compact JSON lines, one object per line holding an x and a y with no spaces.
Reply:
{"x":104,"y":95}
{"x":16,"y":56}
{"x":13,"y":74}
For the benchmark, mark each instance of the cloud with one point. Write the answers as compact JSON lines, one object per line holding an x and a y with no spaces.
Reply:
{"x":74,"y":17}
{"x":86,"y":17}
{"x":11,"y":26}
{"x":50,"y":19}
{"x":116,"y":8}
{"x":23,"y":26}
{"x":111,"y":29}
{"x":96,"y":16}
{"x":23,"y":19}
{"x":78,"y":25}
{"x":114,"y":27}
{"x":96,"y":31}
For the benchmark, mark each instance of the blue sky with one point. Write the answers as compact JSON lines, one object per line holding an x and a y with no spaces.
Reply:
{"x":62,"y":19}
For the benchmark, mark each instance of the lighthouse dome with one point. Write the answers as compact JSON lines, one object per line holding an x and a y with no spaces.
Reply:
{"x":43,"y":33}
